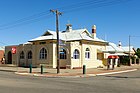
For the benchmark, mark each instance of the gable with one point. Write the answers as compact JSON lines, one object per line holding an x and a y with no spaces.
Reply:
{"x":47,"y":33}
{"x":86,"y":33}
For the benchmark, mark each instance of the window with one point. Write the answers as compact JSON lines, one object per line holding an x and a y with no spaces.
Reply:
{"x":30,"y":55}
{"x":43,"y":53}
{"x":63,"y":54}
{"x":87,"y":53}
{"x":22,"y":55}
{"x":76,"y":54}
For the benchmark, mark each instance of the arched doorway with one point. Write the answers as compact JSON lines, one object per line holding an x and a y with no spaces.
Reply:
{"x":9,"y":61}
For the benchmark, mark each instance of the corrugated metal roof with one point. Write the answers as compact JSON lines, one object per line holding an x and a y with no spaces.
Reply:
{"x":114,"y":48}
{"x":79,"y":34}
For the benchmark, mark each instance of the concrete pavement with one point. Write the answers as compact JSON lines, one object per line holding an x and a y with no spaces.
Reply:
{"x":47,"y":72}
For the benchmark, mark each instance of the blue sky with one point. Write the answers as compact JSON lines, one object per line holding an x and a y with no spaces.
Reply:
{"x":115,"y":22}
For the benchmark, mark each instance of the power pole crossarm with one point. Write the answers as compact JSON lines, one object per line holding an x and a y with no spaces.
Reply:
{"x":56,"y":11}
{"x":57,"y":32}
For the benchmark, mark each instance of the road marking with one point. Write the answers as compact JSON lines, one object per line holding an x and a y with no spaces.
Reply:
{"x":116,"y":72}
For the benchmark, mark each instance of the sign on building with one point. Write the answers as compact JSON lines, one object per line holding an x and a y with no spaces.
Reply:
{"x":13,"y":50}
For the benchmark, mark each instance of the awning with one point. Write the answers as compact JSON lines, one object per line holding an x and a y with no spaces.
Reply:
{"x":113,"y":56}
{"x":119,"y":54}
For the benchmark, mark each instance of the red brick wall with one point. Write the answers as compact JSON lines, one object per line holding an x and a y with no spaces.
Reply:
{"x":1,"y":54}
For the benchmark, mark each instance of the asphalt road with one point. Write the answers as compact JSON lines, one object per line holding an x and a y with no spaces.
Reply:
{"x":118,"y":83}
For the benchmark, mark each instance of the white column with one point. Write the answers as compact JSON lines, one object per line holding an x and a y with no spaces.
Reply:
{"x":116,"y":62}
{"x":111,"y":63}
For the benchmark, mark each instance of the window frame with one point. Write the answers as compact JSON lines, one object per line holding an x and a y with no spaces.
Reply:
{"x":30,"y":55}
{"x":22,"y":56}
{"x":43,"y":53}
{"x":87,"y":53}
{"x":76,"y":54}
{"x":63,"y":54}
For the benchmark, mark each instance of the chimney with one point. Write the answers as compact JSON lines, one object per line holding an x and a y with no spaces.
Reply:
{"x":69,"y":28}
{"x":120,"y":44}
{"x":94,"y":31}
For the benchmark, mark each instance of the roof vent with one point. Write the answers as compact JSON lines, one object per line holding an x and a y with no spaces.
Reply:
{"x":69,"y":28}
{"x":120,"y":44}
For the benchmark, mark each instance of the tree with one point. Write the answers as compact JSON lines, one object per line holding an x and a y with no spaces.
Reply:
{"x":138,"y":52}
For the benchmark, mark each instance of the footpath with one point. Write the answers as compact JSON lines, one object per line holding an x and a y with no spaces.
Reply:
{"x":48,"y":72}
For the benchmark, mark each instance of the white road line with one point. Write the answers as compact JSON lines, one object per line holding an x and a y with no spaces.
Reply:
{"x":108,"y":73}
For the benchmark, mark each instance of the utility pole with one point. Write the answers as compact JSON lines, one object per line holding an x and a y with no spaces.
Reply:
{"x":57,"y":32}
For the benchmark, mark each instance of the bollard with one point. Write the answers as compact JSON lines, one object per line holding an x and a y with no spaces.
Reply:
{"x":41,"y":69}
{"x":30,"y":68}
{"x":108,"y":63}
{"x":84,"y":69}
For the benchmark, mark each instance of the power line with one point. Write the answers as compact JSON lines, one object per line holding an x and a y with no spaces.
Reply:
{"x":91,"y":5}
{"x":79,"y":4}
{"x":99,"y":2}
{"x":25,"y":22}
{"x":91,"y":2}
{"x":3,"y":43}
{"x":67,"y":9}
{"x":26,"y":18}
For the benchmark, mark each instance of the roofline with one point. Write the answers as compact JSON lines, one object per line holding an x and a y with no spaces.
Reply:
{"x":41,"y":40}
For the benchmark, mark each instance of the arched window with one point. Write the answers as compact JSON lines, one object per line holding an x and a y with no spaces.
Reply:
{"x":43,"y":53}
{"x":22,"y":55}
{"x":30,"y":55}
{"x":87,"y":53}
{"x":76,"y":54}
{"x":63,"y":54}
